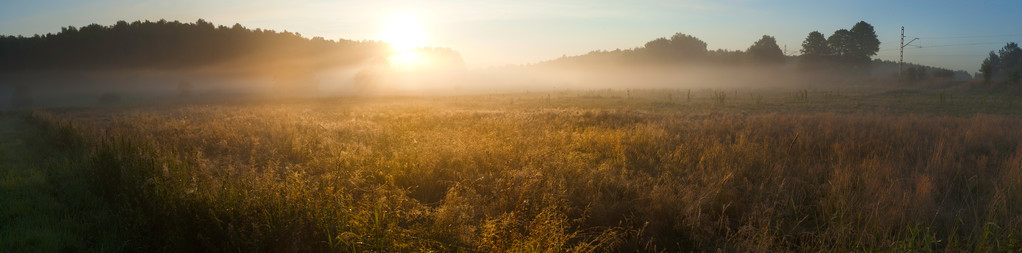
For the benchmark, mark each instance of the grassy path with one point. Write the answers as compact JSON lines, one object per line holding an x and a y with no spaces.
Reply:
{"x":45,"y":203}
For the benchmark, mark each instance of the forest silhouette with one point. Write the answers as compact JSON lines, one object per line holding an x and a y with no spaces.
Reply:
{"x":172,"y":45}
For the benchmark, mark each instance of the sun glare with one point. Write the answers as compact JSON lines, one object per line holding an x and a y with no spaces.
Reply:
{"x":404,"y":33}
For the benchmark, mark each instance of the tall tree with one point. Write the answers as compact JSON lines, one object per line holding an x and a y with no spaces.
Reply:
{"x":765,"y":50}
{"x":1010,"y":62}
{"x":1016,"y":74}
{"x":864,"y":42}
{"x":814,"y":49}
{"x":841,"y":44}
{"x":989,"y":67}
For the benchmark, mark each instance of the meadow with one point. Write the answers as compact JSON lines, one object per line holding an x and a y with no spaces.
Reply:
{"x":578,"y":171}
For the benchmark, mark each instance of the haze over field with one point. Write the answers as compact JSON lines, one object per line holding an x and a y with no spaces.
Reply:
{"x":510,"y":126}
{"x":345,"y":48}
{"x":154,"y":61}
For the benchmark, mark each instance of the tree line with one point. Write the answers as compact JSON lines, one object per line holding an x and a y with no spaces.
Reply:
{"x":175,"y":45}
{"x":845,"y":48}
{"x":853,"y":47}
{"x":678,"y":49}
{"x":1004,"y":65}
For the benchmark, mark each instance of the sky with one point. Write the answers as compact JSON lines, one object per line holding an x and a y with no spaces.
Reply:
{"x":952,"y":34}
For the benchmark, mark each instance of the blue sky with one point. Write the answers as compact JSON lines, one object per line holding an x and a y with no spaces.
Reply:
{"x":954,"y":34}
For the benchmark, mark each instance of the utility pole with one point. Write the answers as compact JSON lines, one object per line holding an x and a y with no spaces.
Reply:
{"x":901,"y":53}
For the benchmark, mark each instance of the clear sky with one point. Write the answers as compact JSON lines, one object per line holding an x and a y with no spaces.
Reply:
{"x":954,"y":34}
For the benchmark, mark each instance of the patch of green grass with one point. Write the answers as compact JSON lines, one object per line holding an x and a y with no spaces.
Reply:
{"x":46,"y":204}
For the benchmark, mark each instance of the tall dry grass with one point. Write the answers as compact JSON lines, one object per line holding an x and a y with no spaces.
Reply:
{"x":424,"y":176}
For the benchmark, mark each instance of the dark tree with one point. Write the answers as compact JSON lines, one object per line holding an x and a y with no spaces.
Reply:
{"x":680,"y":47}
{"x":688,"y":45}
{"x":864,"y":43}
{"x":841,"y":44}
{"x":815,"y":48}
{"x":943,"y":73}
{"x":765,"y":50}
{"x":1010,"y":62}
{"x":724,"y":56}
{"x":1014,"y":75}
{"x":990,"y":67}
{"x":915,"y":73}
{"x":661,"y":48}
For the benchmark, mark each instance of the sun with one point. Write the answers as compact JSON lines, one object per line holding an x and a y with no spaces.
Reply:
{"x":404,"y":33}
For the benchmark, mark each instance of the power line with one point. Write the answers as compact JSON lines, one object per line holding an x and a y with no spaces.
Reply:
{"x":938,"y":46}
{"x":928,"y":55}
{"x":960,"y":44}
{"x":973,"y":36}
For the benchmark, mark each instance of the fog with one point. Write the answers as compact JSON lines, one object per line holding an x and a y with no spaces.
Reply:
{"x":430,"y":76}
{"x":154,"y":63}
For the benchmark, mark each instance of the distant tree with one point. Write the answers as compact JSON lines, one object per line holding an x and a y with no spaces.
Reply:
{"x":841,"y":44}
{"x":660,"y":47}
{"x":943,"y":73}
{"x":688,"y":45}
{"x":915,"y":73}
{"x":814,"y":48}
{"x":963,"y":75}
{"x":765,"y":50}
{"x":680,"y":47}
{"x":658,"y":44}
{"x":855,"y":48}
{"x":1011,"y":62}
{"x":990,"y":67}
{"x":864,"y":43}
{"x":1016,"y":74}
{"x":202,"y":24}
{"x":724,"y":56}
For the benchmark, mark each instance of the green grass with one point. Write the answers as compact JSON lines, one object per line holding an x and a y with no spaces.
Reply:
{"x":580,"y":171}
{"x":46,"y":207}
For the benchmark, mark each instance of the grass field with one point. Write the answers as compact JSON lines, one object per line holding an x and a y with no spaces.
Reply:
{"x":581,"y":171}
{"x":43,"y":205}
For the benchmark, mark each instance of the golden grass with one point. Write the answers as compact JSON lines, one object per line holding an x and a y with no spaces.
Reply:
{"x":435,"y":176}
